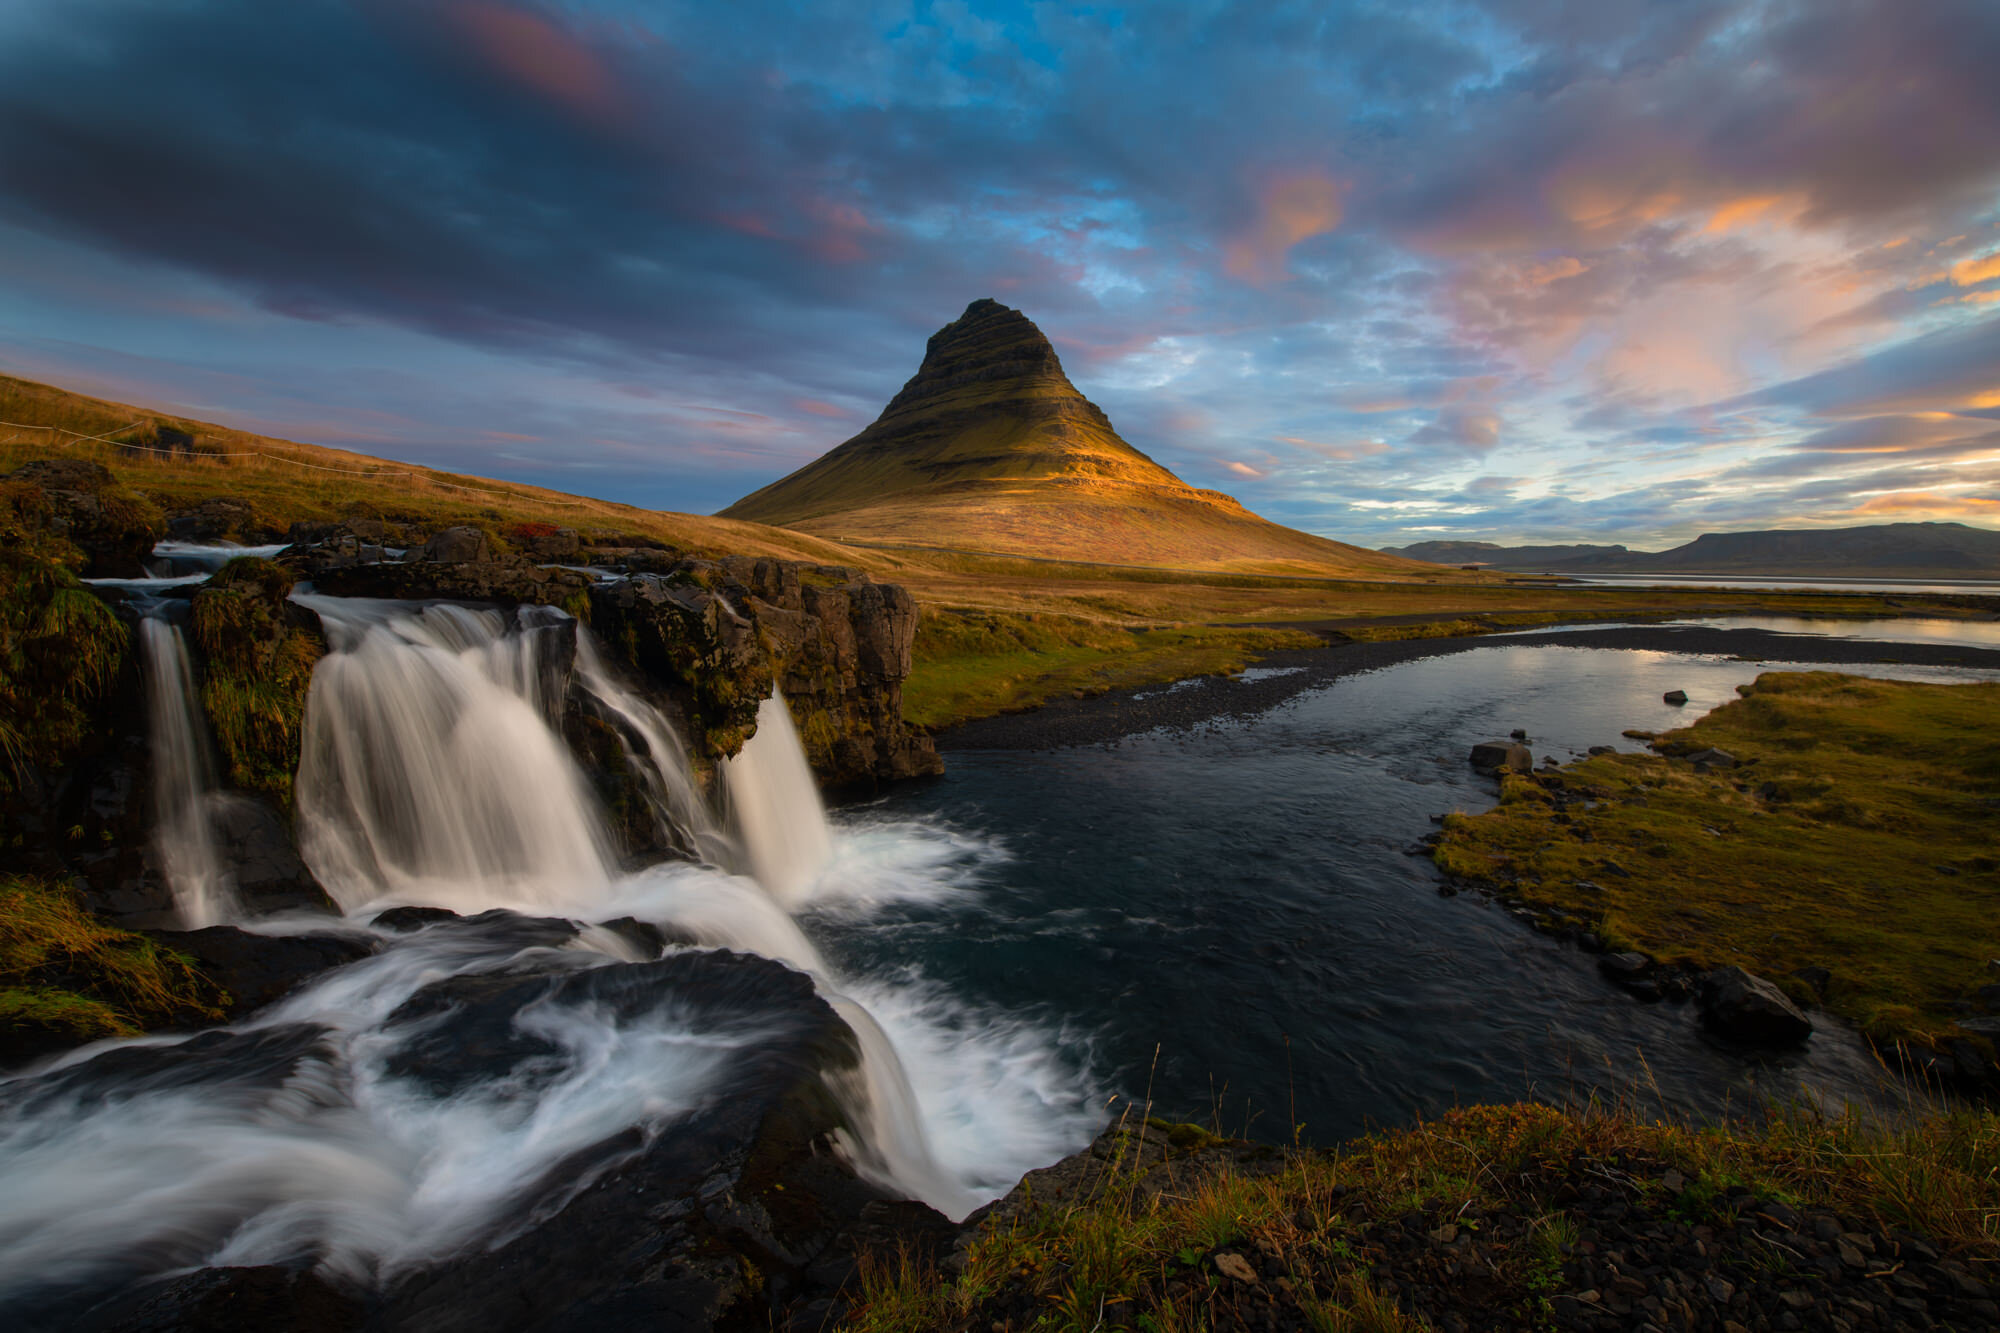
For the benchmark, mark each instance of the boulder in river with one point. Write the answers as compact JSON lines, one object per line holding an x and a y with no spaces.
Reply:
{"x":259,"y":969}
{"x":1491,"y":756}
{"x":1746,"y":1008}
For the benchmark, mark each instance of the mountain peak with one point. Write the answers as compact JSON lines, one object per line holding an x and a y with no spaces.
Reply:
{"x":989,"y":344}
{"x":989,"y":447}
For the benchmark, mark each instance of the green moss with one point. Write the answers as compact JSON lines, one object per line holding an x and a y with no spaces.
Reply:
{"x":60,"y":646}
{"x":1855,"y":835}
{"x":977,"y":663}
{"x":66,"y":973}
{"x":259,"y":669}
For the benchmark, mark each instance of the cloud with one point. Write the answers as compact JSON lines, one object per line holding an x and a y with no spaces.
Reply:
{"x":1289,"y":208}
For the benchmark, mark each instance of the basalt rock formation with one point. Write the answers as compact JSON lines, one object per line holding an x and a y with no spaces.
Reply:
{"x":705,"y":640}
{"x":989,"y":447}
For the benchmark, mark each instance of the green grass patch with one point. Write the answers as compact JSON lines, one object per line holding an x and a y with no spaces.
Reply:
{"x":1137,"y":1249}
{"x":972,"y":664}
{"x":1859,"y":833}
{"x":60,"y":646}
{"x":67,"y":975}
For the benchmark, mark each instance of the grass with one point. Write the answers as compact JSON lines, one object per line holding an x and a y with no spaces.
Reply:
{"x":1859,"y":833}
{"x":60,"y":646}
{"x":1137,"y":1251}
{"x":259,"y":669}
{"x":65,"y":974}
{"x":974,"y":664}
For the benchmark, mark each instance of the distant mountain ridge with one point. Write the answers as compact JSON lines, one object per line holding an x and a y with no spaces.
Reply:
{"x":990,"y":447}
{"x":1883,"y":550}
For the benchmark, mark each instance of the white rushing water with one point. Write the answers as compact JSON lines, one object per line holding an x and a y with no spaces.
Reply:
{"x":184,"y":795}
{"x":434,"y":773}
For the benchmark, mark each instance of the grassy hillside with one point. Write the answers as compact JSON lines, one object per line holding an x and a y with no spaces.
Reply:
{"x":180,"y":463}
{"x":990,"y":448}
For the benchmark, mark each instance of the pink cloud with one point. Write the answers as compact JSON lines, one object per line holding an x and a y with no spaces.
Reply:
{"x":1289,"y":209}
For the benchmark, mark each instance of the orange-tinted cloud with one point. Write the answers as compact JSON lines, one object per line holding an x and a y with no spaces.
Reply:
{"x":531,"y":50}
{"x":1928,"y":502}
{"x":1339,"y":453}
{"x":1971,"y":272}
{"x":1290,"y":209}
{"x":1244,"y":470}
{"x":1751,"y":208}
{"x":818,"y":408}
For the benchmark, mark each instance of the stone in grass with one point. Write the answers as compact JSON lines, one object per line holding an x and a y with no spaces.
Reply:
{"x":1675,"y":696}
{"x":1746,"y":1008}
{"x":1492,"y":756}
{"x":1709,"y":759}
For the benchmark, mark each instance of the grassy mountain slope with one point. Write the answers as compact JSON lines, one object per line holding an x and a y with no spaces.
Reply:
{"x":259,"y":486}
{"x":991,"y":448}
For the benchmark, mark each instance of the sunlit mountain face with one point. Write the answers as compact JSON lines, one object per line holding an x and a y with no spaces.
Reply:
{"x":1518,"y":270}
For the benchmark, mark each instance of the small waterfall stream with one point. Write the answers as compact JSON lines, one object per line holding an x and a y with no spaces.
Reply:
{"x":434,"y":773}
{"x":184,"y":794}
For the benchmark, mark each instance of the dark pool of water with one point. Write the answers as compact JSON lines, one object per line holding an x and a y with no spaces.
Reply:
{"x":1238,"y":899}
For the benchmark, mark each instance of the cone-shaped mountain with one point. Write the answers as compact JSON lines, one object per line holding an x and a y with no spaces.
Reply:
{"x":989,"y":447}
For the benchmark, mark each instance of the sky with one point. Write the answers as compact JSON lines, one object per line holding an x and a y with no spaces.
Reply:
{"x":1515,"y":270}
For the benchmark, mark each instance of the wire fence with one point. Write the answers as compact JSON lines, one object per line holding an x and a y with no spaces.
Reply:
{"x":379,"y":473}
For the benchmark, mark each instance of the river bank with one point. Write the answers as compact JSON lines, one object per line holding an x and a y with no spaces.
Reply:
{"x":1281,"y":675}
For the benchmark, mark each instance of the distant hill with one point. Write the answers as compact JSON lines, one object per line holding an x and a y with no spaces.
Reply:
{"x":1509,"y":557}
{"x":1883,"y":550}
{"x":989,"y":447}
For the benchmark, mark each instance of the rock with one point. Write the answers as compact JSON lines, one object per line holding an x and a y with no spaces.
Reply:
{"x":1705,"y":760}
{"x":1492,"y":756}
{"x":405,"y":919}
{"x":1818,"y":978}
{"x":1235,"y":1267}
{"x":1989,"y":998}
{"x":1519,"y":734}
{"x":230,"y":1300}
{"x":254,"y":843}
{"x":1603,"y":749}
{"x":259,"y":969}
{"x":1625,"y":969}
{"x":459,"y":546}
{"x":1746,"y":1008}
{"x":83,"y":502}
{"x":1675,"y":696}
{"x":716,"y":1221}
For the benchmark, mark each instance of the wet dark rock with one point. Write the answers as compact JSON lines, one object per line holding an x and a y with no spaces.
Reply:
{"x":460,"y":546}
{"x":1491,"y":756}
{"x":1519,"y":734}
{"x":1675,"y":697}
{"x":405,"y":919}
{"x":1742,"y":1007}
{"x":257,"y":970}
{"x":256,"y":844}
{"x":721,"y":1219}
{"x":231,"y":1300}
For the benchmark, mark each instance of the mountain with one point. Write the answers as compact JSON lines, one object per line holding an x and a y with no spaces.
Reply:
{"x":989,"y":447}
{"x":1881,"y":550}
{"x":1512,"y":557}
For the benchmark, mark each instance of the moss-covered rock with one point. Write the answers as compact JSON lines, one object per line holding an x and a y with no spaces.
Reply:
{"x":60,"y":646}
{"x":259,"y":650}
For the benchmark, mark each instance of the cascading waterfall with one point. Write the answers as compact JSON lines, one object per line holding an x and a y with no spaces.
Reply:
{"x":184,"y":793}
{"x":433,"y":773}
{"x":776,"y":808}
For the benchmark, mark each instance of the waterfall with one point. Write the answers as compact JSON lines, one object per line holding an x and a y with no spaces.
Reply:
{"x":429,"y":771}
{"x":659,"y":758}
{"x":434,"y":772}
{"x":184,"y":793}
{"x":776,"y":808}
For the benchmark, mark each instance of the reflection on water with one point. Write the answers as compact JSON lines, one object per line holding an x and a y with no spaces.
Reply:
{"x":1983,"y":586}
{"x":1980,"y":633}
{"x":1238,"y":899}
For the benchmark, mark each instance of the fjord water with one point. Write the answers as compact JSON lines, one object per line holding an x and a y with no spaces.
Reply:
{"x":1239,"y":898}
